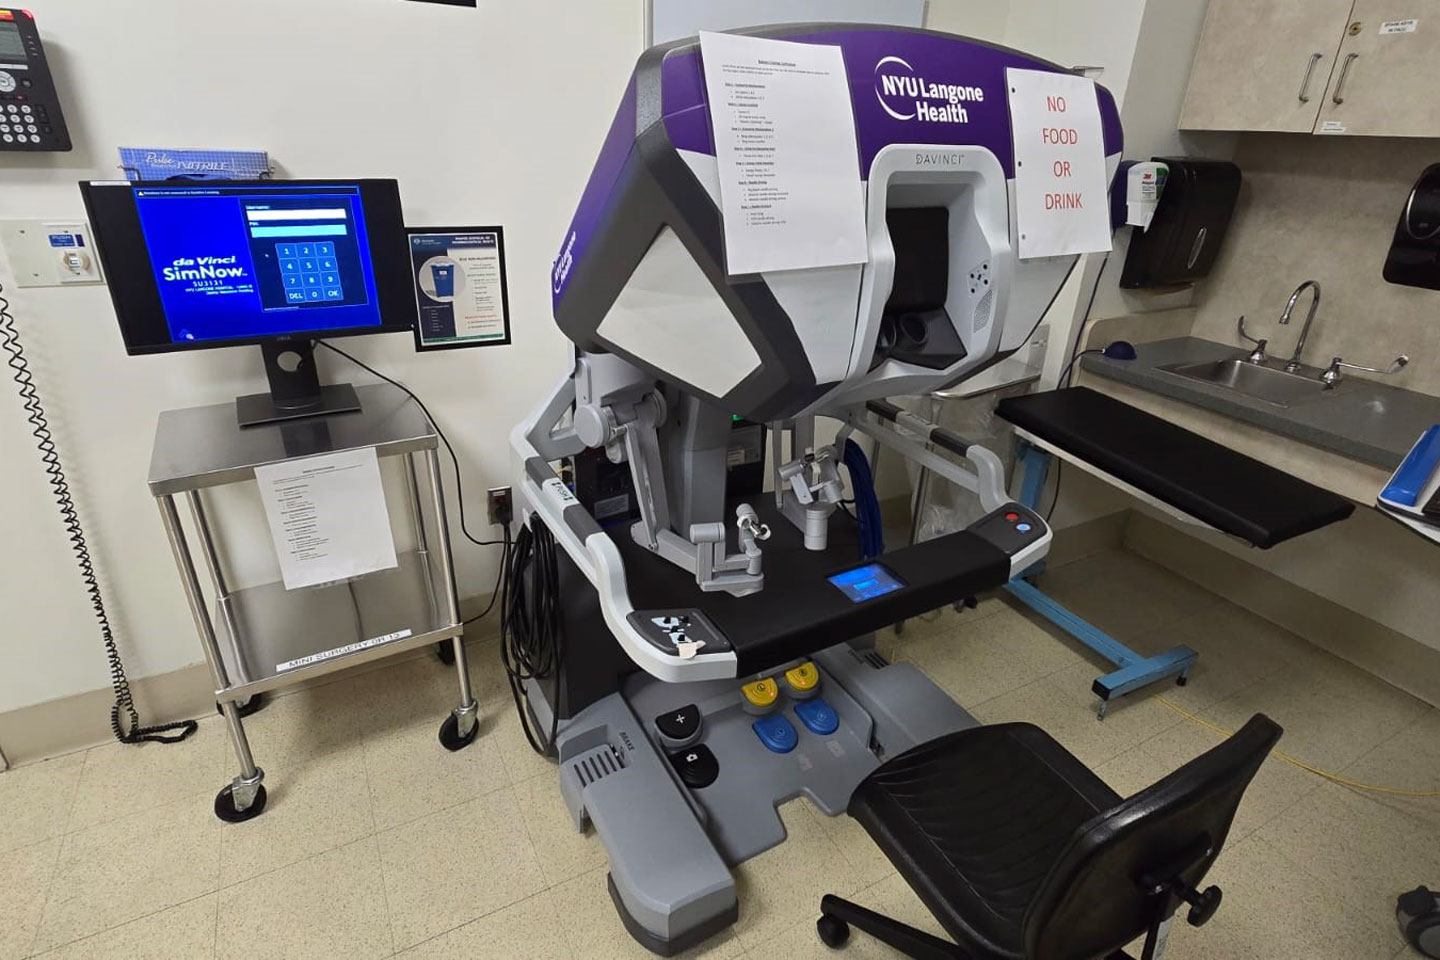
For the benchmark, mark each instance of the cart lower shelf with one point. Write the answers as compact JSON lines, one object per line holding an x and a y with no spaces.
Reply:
{"x":285,"y":636}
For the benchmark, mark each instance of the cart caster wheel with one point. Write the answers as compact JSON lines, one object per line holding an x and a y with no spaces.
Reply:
{"x":445,"y":650}
{"x":225,"y":805}
{"x":1181,"y":680}
{"x":250,"y":705}
{"x":899,"y":628}
{"x":833,"y":931}
{"x":450,"y":737}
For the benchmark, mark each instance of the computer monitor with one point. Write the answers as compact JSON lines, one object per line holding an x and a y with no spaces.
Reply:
{"x":278,"y":263}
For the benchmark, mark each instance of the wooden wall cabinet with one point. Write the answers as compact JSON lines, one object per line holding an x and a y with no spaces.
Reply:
{"x":1337,"y":67}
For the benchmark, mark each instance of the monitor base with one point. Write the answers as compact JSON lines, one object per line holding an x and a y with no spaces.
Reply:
{"x":295,"y":389}
{"x":260,"y":408}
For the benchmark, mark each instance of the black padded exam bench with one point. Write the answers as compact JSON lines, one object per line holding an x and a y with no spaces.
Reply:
{"x":1211,"y":482}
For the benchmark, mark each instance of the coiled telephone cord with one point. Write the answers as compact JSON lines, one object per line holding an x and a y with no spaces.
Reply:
{"x":69,"y":516}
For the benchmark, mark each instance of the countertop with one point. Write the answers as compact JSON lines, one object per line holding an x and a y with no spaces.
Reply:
{"x":1360,"y":419}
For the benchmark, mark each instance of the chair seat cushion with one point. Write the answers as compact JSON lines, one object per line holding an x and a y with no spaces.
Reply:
{"x":975,"y":820}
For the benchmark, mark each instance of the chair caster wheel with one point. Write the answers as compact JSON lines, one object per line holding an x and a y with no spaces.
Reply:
{"x":1181,"y":680}
{"x":833,"y":931}
{"x":225,"y":805}
{"x":250,"y":705}
{"x":445,"y":650}
{"x":450,"y":737}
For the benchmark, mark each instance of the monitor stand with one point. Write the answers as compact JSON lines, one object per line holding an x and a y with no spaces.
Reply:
{"x":295,"y":389}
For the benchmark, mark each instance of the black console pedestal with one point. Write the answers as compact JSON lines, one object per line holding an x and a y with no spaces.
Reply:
{"x":295,"y":389}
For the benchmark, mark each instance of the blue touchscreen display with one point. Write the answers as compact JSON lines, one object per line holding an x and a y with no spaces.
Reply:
{"x":257,"y":261}
{"x":867,"y":582}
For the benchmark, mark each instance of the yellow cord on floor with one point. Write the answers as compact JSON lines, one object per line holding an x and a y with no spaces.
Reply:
{"x":1326,"y":774}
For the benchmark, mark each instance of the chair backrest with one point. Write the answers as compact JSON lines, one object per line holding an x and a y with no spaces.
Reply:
{"x":1092,"y":902}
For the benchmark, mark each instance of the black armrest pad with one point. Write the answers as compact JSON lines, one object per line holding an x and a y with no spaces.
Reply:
{"x":1200,"y":477}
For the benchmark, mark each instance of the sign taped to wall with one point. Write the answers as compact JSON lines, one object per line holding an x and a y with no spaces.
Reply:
{"x":460,"y":290}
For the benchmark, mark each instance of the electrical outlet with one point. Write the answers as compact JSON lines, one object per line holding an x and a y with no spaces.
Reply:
{"x":502,"y":509}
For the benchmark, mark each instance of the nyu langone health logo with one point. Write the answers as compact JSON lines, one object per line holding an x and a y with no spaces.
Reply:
{"x":906,"y":95}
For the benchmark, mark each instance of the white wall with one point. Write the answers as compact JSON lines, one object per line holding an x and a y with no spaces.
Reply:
{"x":1155,"y":89}
{"x":981,"y":19}
{"x":484,"y":116}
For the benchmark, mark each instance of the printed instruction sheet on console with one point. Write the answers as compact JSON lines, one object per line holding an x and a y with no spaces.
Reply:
{"x":785,"y":142}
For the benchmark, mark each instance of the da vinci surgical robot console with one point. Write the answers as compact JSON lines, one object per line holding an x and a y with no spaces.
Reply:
{"x":717,"y":654}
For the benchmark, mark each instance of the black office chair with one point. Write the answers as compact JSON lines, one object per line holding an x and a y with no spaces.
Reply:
{"x":1022,"y":853}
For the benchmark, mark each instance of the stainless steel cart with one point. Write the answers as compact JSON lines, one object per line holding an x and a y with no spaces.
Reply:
{"x":268,"y":630}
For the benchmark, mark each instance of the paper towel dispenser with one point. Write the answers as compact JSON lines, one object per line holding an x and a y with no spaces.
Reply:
{"x":1190,"y":221}
{"x":1414,"y":257}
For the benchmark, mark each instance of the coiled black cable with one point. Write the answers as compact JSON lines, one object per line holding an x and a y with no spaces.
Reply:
{"x":532,"y":636}
{"x":70,"y":517}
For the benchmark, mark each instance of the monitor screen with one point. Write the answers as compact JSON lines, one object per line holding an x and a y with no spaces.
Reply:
{"x":215,"y":264}
{"x":867,"y":582}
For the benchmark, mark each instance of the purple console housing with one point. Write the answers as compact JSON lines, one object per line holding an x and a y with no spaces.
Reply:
{"x":907,"y":86}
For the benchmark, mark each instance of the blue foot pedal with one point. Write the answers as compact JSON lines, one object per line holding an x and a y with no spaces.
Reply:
{"x":818,"y":716}
{"x":777,"y":733}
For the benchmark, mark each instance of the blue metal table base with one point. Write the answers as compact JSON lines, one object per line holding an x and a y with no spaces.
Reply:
{"x":1134,"y":670}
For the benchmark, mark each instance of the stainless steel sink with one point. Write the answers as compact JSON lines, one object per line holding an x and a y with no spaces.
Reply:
{"x":1264,"y":383}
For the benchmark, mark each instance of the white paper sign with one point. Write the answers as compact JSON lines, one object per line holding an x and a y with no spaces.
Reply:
{"x":1062,"y":203}
{"x":790,"y":184}
{"x":1388,"y":27}
{"x":327,"y":517}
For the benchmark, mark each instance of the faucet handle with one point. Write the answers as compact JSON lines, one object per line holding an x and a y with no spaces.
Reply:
{"x":1258,"y":354}
{"x":1332,"y":374}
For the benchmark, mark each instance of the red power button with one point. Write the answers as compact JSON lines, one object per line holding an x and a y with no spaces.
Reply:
{"x":1012,"y":517}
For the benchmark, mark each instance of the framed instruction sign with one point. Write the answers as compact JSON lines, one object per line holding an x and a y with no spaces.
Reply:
{"x":460,"y":287}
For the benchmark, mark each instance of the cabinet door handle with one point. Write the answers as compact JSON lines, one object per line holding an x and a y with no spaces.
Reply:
{"x":1305,"y":84}
{"x":1344,"y":72}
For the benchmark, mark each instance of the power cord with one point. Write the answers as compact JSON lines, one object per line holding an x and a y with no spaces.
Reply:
{"x":1064,"y":378}
{"x":459,"y":483}
{"x":532,"y":635}
{"x":69,"y":516}
{"x":1324,"y":774}
{"x":454,"y":460}
{"x":1056,"y":499}
{"x":1080,"y":328}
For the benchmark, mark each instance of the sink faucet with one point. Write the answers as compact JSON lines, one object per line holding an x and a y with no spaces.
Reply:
{"x":1258,"y":354}
{"x":1293,"y":363}
{"x":1332,"y":374}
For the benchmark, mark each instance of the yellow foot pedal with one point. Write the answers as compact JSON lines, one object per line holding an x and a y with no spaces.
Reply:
{"x":803,"y":681}
{"x":760,"y":695}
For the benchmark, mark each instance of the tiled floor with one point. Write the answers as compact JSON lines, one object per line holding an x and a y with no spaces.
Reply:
{"x":378,"y":843}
